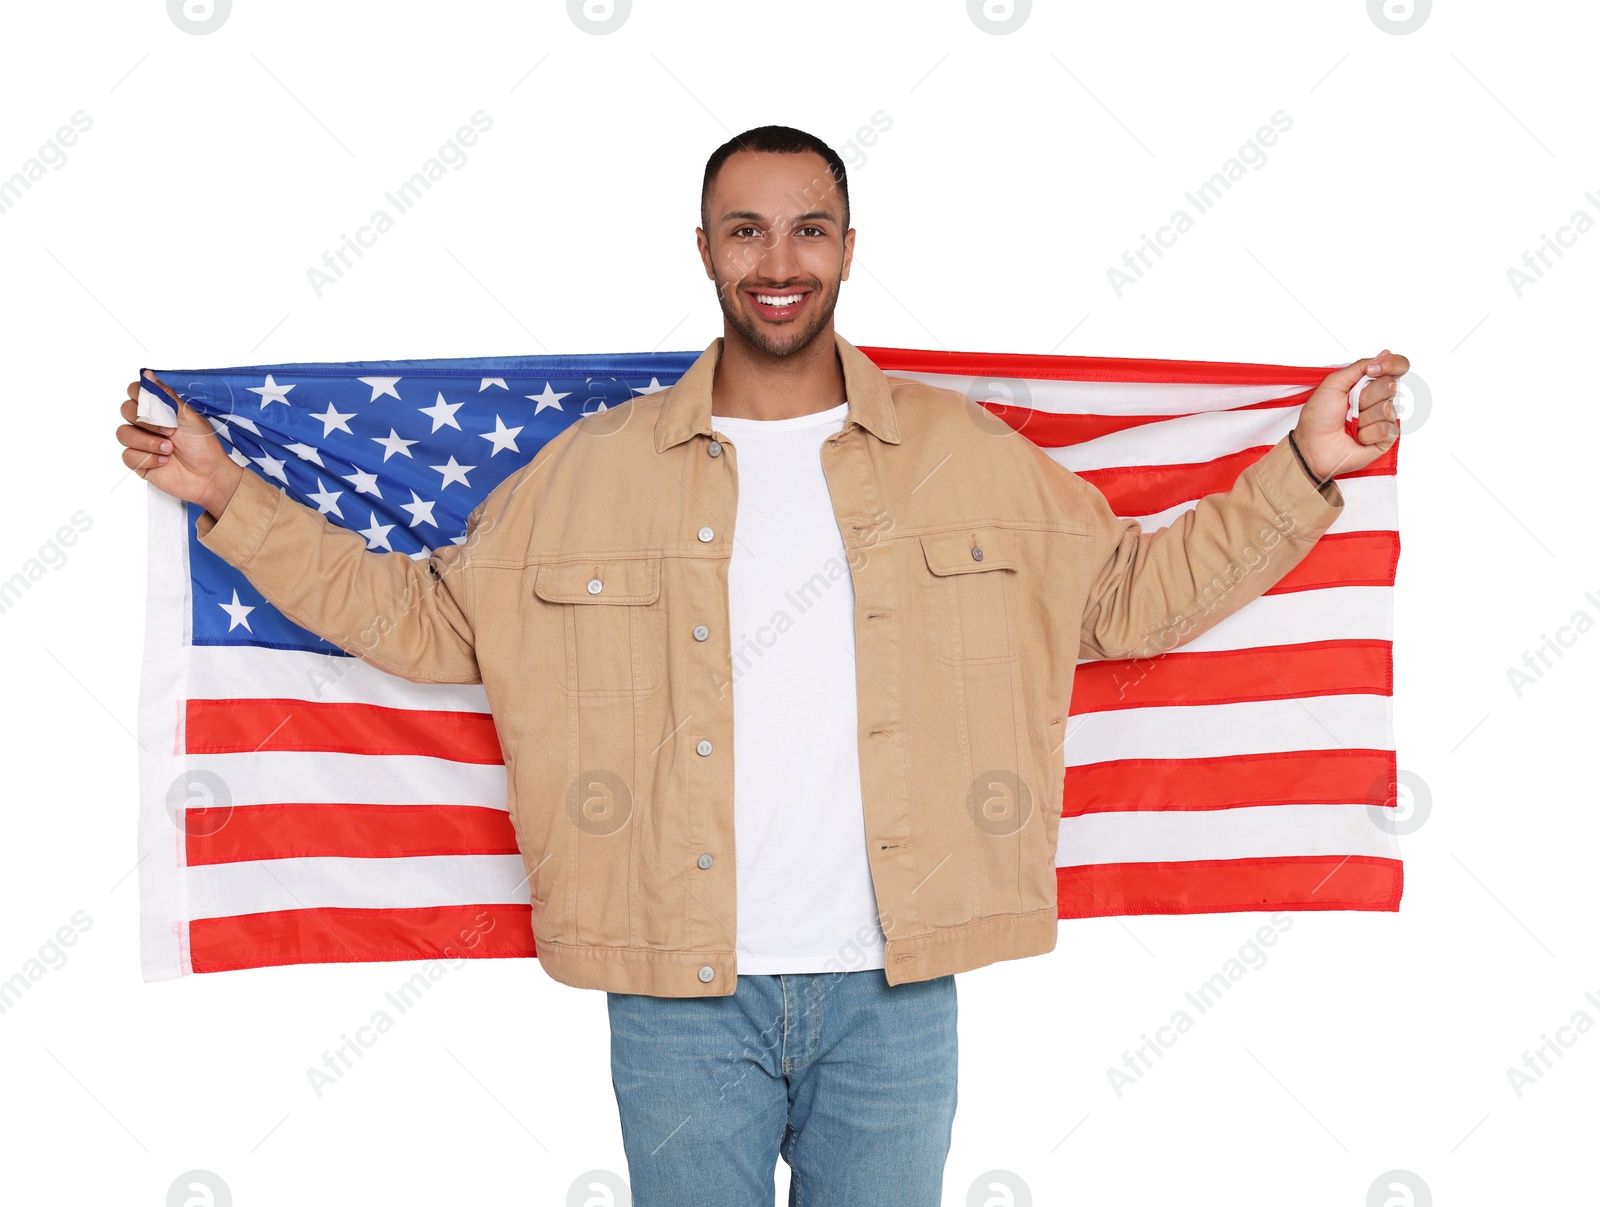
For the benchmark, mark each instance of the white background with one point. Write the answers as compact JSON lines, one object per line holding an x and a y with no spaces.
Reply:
{"x":1016,"y":171}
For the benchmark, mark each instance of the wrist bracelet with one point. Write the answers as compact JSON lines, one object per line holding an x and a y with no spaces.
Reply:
{"x":1295,"y":444}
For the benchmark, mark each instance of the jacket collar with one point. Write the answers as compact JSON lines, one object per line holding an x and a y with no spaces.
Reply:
{"x":686,"y":409}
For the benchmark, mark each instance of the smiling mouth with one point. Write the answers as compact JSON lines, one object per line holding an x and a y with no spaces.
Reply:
{"x":778,"y":305}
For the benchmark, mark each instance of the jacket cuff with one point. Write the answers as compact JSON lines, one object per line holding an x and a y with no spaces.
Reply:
{"x":1290,"y":488}
{"x":245,"y":520}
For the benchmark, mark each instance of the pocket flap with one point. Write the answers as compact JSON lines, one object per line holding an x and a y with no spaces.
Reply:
{"x":620,"y":580}
{"x":952,"y":552}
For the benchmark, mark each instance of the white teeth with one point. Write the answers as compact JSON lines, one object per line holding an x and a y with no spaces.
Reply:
{"x":768,"y":300}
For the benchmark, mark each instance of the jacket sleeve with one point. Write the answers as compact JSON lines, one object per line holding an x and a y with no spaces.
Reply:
{"x":1153,"y":591}
{"x":410,"y":618}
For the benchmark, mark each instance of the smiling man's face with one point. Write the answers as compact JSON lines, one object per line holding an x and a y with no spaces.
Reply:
{"x":776,"y":246}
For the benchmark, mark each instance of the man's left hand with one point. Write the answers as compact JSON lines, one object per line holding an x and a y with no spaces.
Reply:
{"x":1321,"y":434}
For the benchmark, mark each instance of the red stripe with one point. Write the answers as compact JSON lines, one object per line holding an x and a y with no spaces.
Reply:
{"x":237,"y":726}
{"x":1266,"y":672}
{"x":1053,"y":429}
{"x":1293,"y":777}
{"x":1344,"y":559}
{"x":304,"y":831}
{"x":340,"y":936}
{"x":1209,"y":886}
{"x":1134,"y":490}
{"x":1090,"y":368}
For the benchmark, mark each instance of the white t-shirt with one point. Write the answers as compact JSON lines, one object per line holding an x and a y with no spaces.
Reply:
{"x":805,"y":896}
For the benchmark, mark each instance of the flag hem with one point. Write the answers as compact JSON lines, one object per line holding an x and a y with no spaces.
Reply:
{"x":163,"y":687}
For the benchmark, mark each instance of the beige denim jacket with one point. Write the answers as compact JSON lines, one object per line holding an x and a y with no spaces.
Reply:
{"x":590,"y":599}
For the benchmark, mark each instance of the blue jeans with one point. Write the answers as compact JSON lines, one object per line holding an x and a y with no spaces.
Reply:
{"x":848,"y":1078}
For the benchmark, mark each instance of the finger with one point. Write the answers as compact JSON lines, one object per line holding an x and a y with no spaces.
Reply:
{"x":1377,"y":391}
{"x":1345,"y":379}
{"x":191,"y":420}
{"x":1377,"y":431}
{"x":1390,"y":364}
{"x":134,"y":437}
{"x":141,"y":463}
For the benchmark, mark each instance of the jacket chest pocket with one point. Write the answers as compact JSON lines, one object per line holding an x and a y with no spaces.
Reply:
{"x":971,"y":578}
{"x":615,"y":632}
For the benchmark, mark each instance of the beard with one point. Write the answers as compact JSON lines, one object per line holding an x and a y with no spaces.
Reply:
{"x":778,"y":342}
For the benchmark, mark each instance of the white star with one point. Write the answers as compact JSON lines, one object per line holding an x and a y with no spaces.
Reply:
{"x":502,"y":437}
{"x":327,"y":500}
{"x":442,"y":413}
{"x":273,"y":466}
{"x":241,"y":421}
{"x":238,"y":613}
{"x":459,"y":540}
{"x":238,"y":458}
{"x":453,"y":472}
{"x":332,"y":419}
{"x":392,"y":444}
{"x":377,"y":535}
{"x":380,"y":387}
{"x":306,"y":453}
{"x":655,"y":387}
{"x":219,"y":427}
{"x":548,"y":398}
{"x":421,"y":512}
{"x":271,"y":392}
{"x":422,"y":555}
{"x":365,"y":484}
{"x":492,"y":381}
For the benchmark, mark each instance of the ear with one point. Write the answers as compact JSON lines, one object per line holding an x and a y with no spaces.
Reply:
{"x":703,"y":244}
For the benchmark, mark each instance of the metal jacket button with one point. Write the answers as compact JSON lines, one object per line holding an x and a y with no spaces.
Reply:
{"x":705,"y":534}
{"x":707,"y":972}
{"x":977,"y":554}
{"x":704,"y":861}
{"x":594,"y":586}
{"x":704,"y":747}
{"x":701,"y":632}
{"x":714,"y":448}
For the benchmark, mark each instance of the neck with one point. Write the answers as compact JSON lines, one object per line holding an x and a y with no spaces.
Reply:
{"x":752,"y":384}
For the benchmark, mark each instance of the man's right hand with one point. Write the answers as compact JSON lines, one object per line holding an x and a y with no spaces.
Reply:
{"x":187,"y":461}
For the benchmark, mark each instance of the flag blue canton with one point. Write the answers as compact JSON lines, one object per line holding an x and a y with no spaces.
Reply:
{"x":398,"y":451}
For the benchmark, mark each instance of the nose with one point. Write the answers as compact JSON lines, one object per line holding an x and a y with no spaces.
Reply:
{"x":776,"y":261}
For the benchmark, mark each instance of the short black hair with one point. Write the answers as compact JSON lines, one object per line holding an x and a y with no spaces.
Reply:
{"x":778,"y":140}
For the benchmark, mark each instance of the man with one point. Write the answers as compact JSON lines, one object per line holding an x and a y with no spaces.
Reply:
{"x":864,"y":586}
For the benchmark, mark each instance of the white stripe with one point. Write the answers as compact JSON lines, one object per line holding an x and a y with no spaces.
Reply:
{"x":1195,"y":731}
{"x":1185,"y":440}
{"x":290,"y":776}
{"x":154,"y":408}
{"x":1251,"y":832}
{"x":1108,"y":397}
{"x":218,"y":672}
{"x":1325,"y":614}
{"x":225,"y":890}
{"x":163,"y":889}
{"x":1369,"y":506}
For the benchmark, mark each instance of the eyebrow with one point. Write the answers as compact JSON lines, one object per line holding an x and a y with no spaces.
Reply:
{"x":808,"y":216}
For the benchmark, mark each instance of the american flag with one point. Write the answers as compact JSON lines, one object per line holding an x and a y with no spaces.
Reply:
{"x":299,"y":806}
